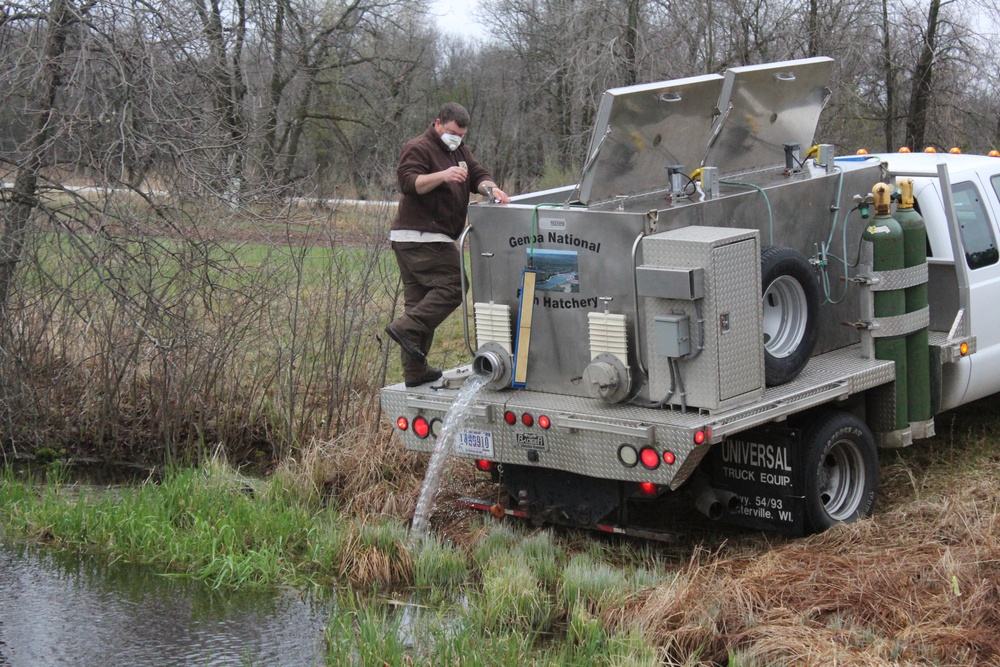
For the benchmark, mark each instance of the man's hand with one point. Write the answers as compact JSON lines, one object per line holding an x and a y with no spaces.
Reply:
{"x":500,"y":197}
{"x":427,"y":182}
{"x":493,"y":194}
{"x":455,"y":175}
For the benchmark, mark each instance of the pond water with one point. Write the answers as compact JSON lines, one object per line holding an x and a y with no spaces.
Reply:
{"x":64,"y":609}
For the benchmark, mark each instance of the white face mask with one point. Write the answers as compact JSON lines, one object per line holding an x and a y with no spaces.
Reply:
{"x":452,"y":141}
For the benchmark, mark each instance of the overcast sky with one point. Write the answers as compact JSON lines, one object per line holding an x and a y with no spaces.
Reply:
{"x":458,"y":17}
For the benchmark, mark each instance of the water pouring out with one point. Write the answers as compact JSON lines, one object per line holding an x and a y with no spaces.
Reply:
{"x":453,"y":423}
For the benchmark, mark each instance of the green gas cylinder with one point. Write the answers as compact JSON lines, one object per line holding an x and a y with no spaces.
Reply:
{"x":917,"y":349}
{"x":886,"y":237}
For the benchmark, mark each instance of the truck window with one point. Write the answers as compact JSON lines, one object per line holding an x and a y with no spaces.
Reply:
{"x":916,"y":207}
{"x":977,"y":234}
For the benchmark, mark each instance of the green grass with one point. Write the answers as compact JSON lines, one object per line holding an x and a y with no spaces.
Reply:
{"x":207,"y":523}
{"x":438,"y":565}
{"x":494,"y":604}
{"x":517,"y":595}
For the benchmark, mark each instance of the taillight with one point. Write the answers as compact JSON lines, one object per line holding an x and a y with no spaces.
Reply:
{"x":421,"y":427}
{"x":484,"y":465}
{"x":628,"y":456}
{"x":527,"y":419}
{"x":544,"y":421}
{"x":402,"y":423}
{"x":647,"y":488}
{"x":668,"y":458}
{"x":650,"y":459}
{"x":699,"y":437}
{"x":510,"y":417}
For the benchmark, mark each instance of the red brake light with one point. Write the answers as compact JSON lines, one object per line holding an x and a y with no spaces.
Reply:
{"x":699,"y":437}
{"x":510,"y":417}
{"x":527,"y":419}
{"x":421,"y":428}
{"x":668,"y":458}
{"x":647,"y":488}
{"x":484,"y":465}
{"x":402,"y":423}
{"x":544,"y":421}
{"x":649,"y":458}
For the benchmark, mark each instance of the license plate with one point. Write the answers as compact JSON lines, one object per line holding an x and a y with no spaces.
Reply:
{"x":475,"y":443}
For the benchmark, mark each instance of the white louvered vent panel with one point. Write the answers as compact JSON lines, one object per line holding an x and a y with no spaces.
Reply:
{"x":608,"y":335}
{"x":493,"y":325}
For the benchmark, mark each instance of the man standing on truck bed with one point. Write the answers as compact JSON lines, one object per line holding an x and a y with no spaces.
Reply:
{"x":436,"y":174}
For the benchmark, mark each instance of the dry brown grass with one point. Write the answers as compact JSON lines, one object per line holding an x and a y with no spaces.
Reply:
{"x":367,"y":475}
{"x":918,"y":584}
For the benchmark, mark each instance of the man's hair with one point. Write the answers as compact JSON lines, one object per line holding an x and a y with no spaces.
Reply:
{"x":456,"y":112}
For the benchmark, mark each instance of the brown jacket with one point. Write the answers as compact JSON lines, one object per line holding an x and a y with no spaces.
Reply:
{"x":443,"y":209}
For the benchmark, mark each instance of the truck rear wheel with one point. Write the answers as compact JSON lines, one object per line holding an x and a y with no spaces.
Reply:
{"x":841,"y":471}
{"x":790,"y":302}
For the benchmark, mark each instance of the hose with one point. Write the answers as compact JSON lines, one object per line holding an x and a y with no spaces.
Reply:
{"x":770,"y":213}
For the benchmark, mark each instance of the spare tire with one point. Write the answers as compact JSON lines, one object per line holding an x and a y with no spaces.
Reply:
{"x":790,"y":301}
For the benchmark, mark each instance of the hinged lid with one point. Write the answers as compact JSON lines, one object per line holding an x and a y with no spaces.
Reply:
{"x":641,"y":130}
{"x":739,"y":122}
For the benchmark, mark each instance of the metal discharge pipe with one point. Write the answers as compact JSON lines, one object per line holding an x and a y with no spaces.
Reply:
{"x":493,"y":362}
{"x":488,"y":365}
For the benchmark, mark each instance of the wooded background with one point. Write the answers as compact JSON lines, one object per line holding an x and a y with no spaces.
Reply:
{"x":190,"y":115}
{"x":313,"y":97}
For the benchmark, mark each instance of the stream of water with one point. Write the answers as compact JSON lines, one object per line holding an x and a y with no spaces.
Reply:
{"x":63,"y":609}
{"x":453,"y":423}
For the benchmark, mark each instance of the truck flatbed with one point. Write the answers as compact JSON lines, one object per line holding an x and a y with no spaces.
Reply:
{"x":577,"y":438}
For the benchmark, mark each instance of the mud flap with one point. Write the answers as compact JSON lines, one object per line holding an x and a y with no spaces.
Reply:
{"x":556,"y":496}
{"x":763,"y":468}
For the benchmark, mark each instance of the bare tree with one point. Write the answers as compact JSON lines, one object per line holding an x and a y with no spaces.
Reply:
{"x":923,"y":74}
{"x":40,"y":117}
{"x":132,"y":142}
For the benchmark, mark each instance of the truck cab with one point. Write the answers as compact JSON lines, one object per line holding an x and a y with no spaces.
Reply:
{"x":972,"y":284}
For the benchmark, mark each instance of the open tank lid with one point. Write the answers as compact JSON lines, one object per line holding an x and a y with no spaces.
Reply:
{"x":641,"y":130}
{"x":764,"y":107}
{"x":737,"y":122}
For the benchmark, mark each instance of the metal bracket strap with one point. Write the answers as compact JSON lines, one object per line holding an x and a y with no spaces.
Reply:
{"x":900,"y":325}
{"x":888,"y":281}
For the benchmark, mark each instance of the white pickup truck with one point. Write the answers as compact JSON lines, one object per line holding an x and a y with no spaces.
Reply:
{"x":716,"y":309}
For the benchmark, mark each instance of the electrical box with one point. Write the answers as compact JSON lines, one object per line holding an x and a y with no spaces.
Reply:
{"x":724,"y":365}
{"x":672,"y":336}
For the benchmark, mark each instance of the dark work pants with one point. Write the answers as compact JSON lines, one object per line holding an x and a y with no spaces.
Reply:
{"x":432,"y":289}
